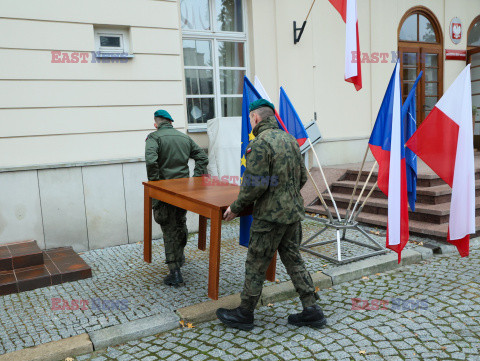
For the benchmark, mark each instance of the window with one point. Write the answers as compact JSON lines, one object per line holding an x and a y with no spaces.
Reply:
{"x":473,"y":38}
{"x":112,"y":41}
{"x":214,"y":51}
{"x":418,"y":28}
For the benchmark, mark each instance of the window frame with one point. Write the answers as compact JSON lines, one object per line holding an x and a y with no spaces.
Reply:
{"x":216,"y":36}
{"x":118,"y":32}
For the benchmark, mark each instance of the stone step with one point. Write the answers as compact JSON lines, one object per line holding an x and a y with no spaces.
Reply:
{"x":438,"y":231}
{"x":59,"y":265}
{"x":20,"y":255}
{"x":423,"y":180}
{"x":426,"y":195}
{"x":431,"y":213}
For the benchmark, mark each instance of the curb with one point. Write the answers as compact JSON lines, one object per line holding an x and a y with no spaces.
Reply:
{"x":133,"y":330}
{"x":56,"y":350}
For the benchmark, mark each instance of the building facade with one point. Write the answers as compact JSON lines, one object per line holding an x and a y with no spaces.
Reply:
{"x":80,"y":82}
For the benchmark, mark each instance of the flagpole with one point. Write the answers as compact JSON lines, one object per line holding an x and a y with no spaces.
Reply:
{"x":365,"y":201}
{"x":356,"y":185}
{"x":361,"y":193}
{"x":324,"y":179}
{"x":320,"y":196}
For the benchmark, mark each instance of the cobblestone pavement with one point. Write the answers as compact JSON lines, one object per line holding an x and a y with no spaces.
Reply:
{"x":444,"y":326}
{"x":120,"y":275}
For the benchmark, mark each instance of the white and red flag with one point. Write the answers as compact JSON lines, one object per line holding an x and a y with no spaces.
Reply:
{"x":353,"y":69}
{"x":444,"y":141}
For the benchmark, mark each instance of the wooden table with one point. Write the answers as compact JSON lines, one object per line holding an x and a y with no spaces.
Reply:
{"x":208,"y":201}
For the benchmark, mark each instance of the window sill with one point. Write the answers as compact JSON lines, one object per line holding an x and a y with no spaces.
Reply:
{"x":100,"y":54}
{"x":197,"y":128}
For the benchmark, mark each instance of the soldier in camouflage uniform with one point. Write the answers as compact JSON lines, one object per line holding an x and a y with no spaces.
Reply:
{"x":167,"y":152}
{"x":272,"y":180}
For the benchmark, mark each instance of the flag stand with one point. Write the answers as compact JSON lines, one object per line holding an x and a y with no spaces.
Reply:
{"x":342,"y":226}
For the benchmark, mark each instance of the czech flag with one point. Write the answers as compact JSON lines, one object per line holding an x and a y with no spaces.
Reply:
{"x":250,"y":94}
{"x":353,"y":69}
{"x":444,"y":141}
{"x":291,"y":119}
{"x":387,"y":145}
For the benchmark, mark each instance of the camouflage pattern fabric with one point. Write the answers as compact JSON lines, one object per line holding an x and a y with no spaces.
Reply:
{"x":272,"y":180}
{"x":273,"y":177}
{"x":265,"y":239}
{"x":173,"y":221}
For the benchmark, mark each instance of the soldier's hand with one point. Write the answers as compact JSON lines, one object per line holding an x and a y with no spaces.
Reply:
{"x":229,"y":215}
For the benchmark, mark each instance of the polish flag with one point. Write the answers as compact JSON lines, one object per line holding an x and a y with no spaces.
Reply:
{"x":353,"y":69}
{"x":444,"y":141}
{"x":387,"y":146}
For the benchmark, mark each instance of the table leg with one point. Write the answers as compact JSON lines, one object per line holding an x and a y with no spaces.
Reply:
{"x":202,"y":233}
{"x":147,"y":226}
{"x":272,"y":268}
{"x":214,"y":265}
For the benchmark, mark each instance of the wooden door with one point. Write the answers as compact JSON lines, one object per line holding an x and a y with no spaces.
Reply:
{"x":413,"y":60}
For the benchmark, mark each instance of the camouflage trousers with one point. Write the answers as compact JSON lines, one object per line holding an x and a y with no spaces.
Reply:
{"x":173,"y":221}
{"x":265,"y":239}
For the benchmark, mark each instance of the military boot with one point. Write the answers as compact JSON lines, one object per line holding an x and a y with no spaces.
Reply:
{"x":174,"y":278}
{"x":310,"y":316}
{"x":237,"y":318}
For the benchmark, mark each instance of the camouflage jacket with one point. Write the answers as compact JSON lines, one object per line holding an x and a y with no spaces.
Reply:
{"x":167,"y":152}
{"x":273,"y":177}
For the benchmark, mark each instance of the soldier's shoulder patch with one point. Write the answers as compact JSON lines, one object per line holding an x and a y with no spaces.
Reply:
{"x":249,"y":149}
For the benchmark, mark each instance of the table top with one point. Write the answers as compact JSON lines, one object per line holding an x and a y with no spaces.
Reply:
{"x":220,"y":195}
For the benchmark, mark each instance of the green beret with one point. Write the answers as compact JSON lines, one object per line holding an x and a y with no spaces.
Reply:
{"x":261,"y":103}
{"x":163,"y":114}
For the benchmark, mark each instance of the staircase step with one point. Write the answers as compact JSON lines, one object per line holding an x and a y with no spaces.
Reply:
{"x":423,"y":180}
{"x":416,"y":227}
{"x":20,"y":255}
{"x":425,"y":195}
{"x":432,"y":213}
{"x":61,"y":265}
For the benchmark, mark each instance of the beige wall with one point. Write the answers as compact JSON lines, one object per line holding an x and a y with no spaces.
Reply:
{"x":312,"y":70}
{"x":67,"y":113}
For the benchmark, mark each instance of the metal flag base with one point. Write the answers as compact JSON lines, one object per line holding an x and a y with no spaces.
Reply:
{"x":340,"y":226}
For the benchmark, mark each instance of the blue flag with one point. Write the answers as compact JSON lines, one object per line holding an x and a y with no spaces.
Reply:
{"x":409,"y":118}
{"x":290,"y":118}
{"x":250,"y":94}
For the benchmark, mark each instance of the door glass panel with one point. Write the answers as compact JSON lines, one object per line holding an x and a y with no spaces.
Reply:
{"x":195,"y":14}
{"x":431,"y":74}
{"x":431,"y":88}
{"x":430,"y":102}
{"x":410,"y":59}
{"x":231,"y":54}
{"x":199,"y":110}
{"x":431,"y":60}
{"x":426,"y":30}
{"x":406,"y":88}
{"x":409,"y":29}
{"x":197,"y":53}
{"x":199,"y":81}
{"x":409,"y":73}
{"x":229,"y":15}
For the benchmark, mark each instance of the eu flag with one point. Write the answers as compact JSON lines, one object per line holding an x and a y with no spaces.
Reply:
{"x":250,"y":94}
{"x":409,"y":118}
